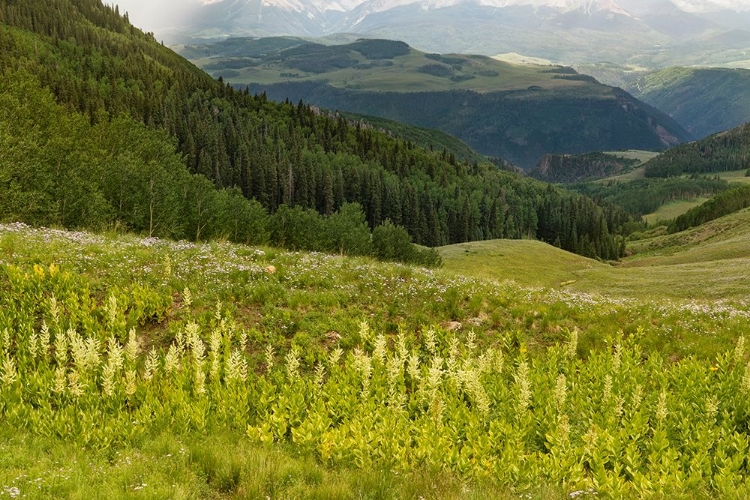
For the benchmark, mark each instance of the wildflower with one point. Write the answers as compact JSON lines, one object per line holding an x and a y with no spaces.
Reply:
{"x":61,"y":349}
{"x":33,"y":344}
{"x":152,"y":365}
{"x":215,"y":343}
{"x":187,"y":297}
{"x":167,"y":266}
{"x":75,"y":385}
{"x":739,"y":350}
{"x":572,"y":347}
{"x":637,"y":396}
{"x":60,"y":380}
{"x":378,"y":352}
{"x":434,"y":376}
{"x":130,"y":382}
{"x":172,"y":360}
{"x":114,"y":353}
{"x":108,"y":380}
{"x":560,"y":391}
{"x":111,"y":310}
{"x":607,"y":393}
{"x":200,"y":378}
{"x":617,"y":358}
{"x":236,"y":367}
{"x":661,"y":407}
{"x":12,"y":491}
{"x":524,"y":386}
{"x":394,"y":369}
{"x":292,"y":363}
{"x":192,"y":335}
{"x":320,"y":371}
{"x":471,"y":341}
{"x":364,"y":331}
{"x":270,"y":354}
{"x":429,"y":341}
{"x":131,"y":348}
{"x":412,"y":366}
{"x":44,"y":338}
{"x":54,"y":310}
{"x":334,"y":356}
{"x":712,"y":407}
{"x":9,"y":371}
{"x":401,"y":349}
{"x":746,"y":379}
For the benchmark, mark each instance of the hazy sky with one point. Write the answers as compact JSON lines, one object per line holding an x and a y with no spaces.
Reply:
{"x":153,"y":15}
{"x":156,"y":15}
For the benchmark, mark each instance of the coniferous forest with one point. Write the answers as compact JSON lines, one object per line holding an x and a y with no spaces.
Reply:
{"x":103,"y":127}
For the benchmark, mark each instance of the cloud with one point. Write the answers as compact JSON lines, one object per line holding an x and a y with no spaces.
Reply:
{"x":156,"y":15}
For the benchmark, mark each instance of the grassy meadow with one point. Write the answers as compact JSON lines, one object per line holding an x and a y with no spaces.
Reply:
{"x":707,"y":263}
{"x":146,"y":368}
{"x":405,"y":74}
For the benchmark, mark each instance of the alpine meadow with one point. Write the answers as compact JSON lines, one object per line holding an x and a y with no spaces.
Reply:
{"x":208,"y":290}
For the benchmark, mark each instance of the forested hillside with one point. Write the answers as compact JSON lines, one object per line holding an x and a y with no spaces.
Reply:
{"x":722,"y":152}
{"x":703,"y":100}
{"x":564,"y":169}
{"x":136,"y":129}
{"x":517,"y":112}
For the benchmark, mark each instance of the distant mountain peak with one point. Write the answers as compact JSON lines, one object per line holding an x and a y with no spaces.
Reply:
{"x":648,"y":33}
{"x":703,"y":6}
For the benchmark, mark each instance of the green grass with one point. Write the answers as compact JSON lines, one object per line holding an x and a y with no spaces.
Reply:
{"x":167,"y":439}
{"x":527,"y":262}
{"x":403,"y":75}
{"x":735,"y":176}
{"x":634,"y":154}
{"x":212,"y":466}
{"x":673,"y":209}
{"x":709,"y":262}
{"x":636,"y":171}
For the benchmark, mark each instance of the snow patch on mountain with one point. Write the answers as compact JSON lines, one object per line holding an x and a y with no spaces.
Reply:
{"x":703,"y":6}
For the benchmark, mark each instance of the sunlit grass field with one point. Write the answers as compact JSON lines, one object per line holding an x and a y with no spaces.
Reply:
{"x":705,"y":263}
{"x":673,"y":209}
{"x":144,"y":368}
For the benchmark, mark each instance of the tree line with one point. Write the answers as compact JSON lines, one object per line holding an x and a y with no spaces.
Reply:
{"x":722,"y":152}
{"x":722,"y":204}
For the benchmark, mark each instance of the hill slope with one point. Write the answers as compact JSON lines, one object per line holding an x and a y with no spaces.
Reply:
{"x":516,"y":112}
{"x":725,"y":151}
{"x":292,"y":161}
{"x":225,"y":371}
{"x":703,"y":100}
{"x":711,"y":261}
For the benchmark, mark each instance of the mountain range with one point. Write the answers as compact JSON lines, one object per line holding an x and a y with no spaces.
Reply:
{"x":514,"y":112}
{"x":644,"y":33}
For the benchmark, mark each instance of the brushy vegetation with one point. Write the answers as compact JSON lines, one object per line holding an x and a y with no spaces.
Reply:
{"x":332,"y":377}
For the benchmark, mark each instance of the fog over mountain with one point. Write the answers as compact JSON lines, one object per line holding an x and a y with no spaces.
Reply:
{"x":650,"y":33}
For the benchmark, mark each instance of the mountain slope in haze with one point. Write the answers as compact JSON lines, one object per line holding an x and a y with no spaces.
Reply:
{"x":703,"y":100}
{"x":648,"y":33}
{"x":95,"y":158}
{"x":515,"y":112}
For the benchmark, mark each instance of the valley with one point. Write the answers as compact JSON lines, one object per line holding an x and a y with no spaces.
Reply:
{"x":289,"y":290}
{"x":514,"y":112}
